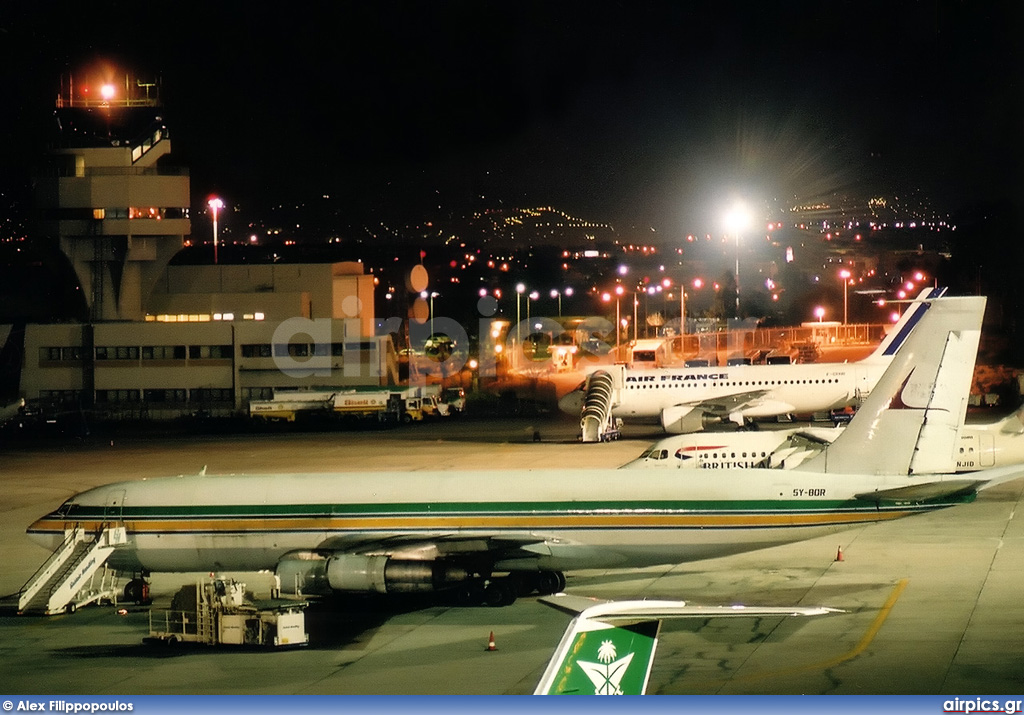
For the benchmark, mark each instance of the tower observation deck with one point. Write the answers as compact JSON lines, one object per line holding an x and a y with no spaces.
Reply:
{"x":108,"y":195}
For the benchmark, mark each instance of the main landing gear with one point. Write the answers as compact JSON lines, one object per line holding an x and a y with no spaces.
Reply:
{"x":137,"y":591}
{"x":504,"y":590}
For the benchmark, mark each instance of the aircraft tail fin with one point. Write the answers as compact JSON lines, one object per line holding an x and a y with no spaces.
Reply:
{"x":909,"y":422}
{"x":608,"y":648}
{"x":905,"y":326}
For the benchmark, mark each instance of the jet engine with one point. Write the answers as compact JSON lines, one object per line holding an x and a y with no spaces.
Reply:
{"x":313,"y":573}
{"x":683,"y":420}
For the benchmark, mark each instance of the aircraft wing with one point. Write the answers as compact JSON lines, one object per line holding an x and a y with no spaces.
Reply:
{"x":727,"y":404}
{"x":427,"y":545}
{"x":608,"y":648}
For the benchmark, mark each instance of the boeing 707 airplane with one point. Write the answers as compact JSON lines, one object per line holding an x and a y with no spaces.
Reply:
{"x":683,"y":399}
{"x":490,"y":535}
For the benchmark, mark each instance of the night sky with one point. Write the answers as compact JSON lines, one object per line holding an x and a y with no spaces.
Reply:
{"x":639,"y":114}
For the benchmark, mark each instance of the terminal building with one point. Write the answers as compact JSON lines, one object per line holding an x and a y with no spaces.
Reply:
{"x":168,"y":340}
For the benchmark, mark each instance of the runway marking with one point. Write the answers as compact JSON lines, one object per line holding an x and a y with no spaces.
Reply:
{"x":865,"y":641}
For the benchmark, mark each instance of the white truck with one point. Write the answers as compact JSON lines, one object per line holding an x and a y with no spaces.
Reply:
{"x":293,"y":405}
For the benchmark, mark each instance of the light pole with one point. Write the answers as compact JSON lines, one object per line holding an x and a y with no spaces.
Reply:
{"x":845,"y":275}
{"x":215,"y":205}
{"x":520,"y":289}
{"x":736,"y":220}
{"x":682,"y":308}
{"x":555,"y":293}
{"x":636,"y":302}
{"x":431,"y":297}
{"x":619,"y":290}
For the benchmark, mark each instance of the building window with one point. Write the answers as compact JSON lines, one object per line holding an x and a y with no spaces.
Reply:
{"x":209,"y":352}
{"x":163,"y":352}
{"x":60,"y":397}
{"x":291,"y":350}
{"x":256,"y":350}
{"x":58,"y":354}
{"x":258,"y":393}
{"x":117,"y":352}
{"x":164,"y":395}
{"x":116,"y":396}
{"x":211,"y":394}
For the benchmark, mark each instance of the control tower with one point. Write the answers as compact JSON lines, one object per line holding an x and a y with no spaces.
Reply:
{"x":108,"y":195}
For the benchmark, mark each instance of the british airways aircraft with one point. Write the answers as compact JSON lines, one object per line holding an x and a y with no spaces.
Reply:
{"x":997,"y":443}
{"x":683,"y":399}
{"x":491,"y":535}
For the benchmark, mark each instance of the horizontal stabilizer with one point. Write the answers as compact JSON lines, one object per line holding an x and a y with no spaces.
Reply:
{"x":923,"y":492}
{"x":608,"y":648}
{"x":598,"y":610}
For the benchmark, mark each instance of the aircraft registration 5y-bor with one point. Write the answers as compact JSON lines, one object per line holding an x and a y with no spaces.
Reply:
{"x":490,"y":535}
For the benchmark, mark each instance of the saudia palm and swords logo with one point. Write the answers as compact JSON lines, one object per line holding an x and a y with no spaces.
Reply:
{"x":595,"y":663}
{"x":607,"y":675}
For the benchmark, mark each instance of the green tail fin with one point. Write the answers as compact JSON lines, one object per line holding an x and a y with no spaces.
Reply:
{"x":609,"y":660}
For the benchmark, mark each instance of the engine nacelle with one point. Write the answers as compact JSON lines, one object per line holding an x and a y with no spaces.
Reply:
{"x":385,"y":574}
{"x":309,"y":572}
{"x":303,"y":572}
{"x":683,"y":420}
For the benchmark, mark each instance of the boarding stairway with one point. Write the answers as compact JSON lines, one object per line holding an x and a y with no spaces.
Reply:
{"x":596,"y":420}
{"x":75,"y":574}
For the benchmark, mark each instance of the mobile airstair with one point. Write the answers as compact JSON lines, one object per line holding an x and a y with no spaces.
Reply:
{"x":596,"y":420}
{"x":75,"y":574}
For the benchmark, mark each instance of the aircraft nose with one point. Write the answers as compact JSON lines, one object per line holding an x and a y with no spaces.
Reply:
{"x":45,"y":533}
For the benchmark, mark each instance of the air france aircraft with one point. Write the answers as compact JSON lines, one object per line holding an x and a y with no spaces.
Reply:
{"x":683,"y":399}
{"x":994,"y":444}
{"x":489,"y":536}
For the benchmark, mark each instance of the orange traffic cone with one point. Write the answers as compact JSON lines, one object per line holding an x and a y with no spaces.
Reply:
{"x":839,"y":553}
{"x":490,"y":642}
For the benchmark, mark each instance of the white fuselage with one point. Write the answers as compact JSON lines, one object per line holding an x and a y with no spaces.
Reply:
{"x":800,"y":388}
{"x":552,"y":519}
{"x":978,"y":446}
